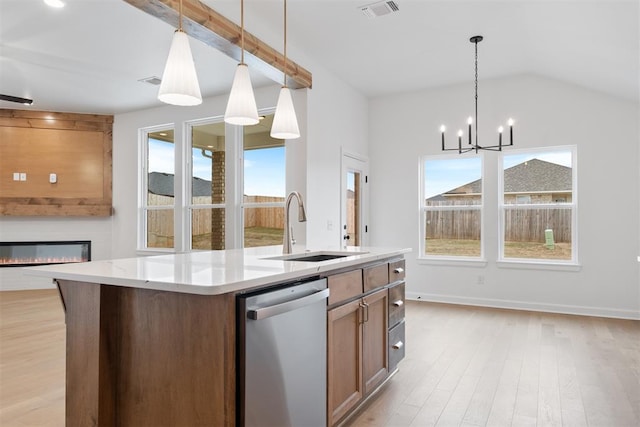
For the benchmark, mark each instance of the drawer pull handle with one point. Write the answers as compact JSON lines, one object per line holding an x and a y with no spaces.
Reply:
{"x":398,"y":345}
{"x":398,"y":303}
{"x":398,"y":270}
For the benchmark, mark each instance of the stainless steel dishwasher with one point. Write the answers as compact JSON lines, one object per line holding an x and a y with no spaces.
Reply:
{"x":282,"y":357}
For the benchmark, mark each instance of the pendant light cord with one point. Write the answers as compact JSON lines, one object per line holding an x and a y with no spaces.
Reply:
{"x":285,"y":44}
{"x":242,"y":31}
{"x":180,"y":16}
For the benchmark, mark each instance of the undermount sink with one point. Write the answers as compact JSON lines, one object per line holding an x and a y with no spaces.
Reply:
{"x":315,"y":256}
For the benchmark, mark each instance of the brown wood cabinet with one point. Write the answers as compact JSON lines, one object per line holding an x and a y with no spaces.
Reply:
{"x":359,"y":321}
{"x":375,"y":364}
{"x":344,"y":366}
{"x":357,"y":359}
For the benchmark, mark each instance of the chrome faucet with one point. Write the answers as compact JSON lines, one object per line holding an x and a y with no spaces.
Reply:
{"x":288,"y":240}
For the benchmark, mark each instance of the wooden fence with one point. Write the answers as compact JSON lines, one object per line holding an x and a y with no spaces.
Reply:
{"x":160,"y":222}
{"x":521,"y":225}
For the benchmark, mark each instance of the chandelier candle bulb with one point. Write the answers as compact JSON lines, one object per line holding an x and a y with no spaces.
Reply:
{"x":500,"y":130}
{"x":469,"y":122}
{"x":460,"y":141}
{"x":442,"y":129}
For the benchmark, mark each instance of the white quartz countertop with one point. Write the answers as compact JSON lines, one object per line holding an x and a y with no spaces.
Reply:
{"x":209,"y":272}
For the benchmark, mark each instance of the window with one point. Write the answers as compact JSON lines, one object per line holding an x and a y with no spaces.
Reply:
{"x":207,"y":200}
{"x":451,"y":207}
{"x":158,"y":201}
{"x":223,"y":187}
{"x":264,"y":186}
{"x":543,"y":228}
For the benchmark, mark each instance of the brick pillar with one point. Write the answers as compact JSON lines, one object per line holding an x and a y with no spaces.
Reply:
{"x":217,"y":196}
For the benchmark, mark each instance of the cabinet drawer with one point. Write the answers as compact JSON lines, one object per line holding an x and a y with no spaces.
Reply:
{"x":396,"y":271}
{"x":396,"y":304}
{"x":375,"y":277}
{"x":396,"y":346}
{"x":344,"y":286}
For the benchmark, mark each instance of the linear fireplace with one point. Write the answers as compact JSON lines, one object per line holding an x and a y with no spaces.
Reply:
{"x":22,"y":254}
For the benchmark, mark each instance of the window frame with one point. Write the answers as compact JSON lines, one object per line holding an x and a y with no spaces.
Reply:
{"x":573,"y":206}
{"x":423,"y":257}
{"x":183,"y":206}
{"x":143,"y":189}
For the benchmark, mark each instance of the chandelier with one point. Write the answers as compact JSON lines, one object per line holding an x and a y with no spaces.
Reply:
{"x":473,"y":144}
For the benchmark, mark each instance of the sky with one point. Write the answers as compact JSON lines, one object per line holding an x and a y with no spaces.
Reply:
{"x":442,"y":175}
{"x":264,"y":168}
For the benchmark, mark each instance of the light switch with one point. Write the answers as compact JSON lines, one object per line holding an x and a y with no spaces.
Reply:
{"x":53,"y":178}
{"x":23,"y":176}
{"x":16,"y":176}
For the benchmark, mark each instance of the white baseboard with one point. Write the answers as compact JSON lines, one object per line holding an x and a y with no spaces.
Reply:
{"x":529,"y":306}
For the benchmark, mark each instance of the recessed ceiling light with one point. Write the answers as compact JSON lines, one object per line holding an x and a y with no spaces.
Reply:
{"x":54,"y":3}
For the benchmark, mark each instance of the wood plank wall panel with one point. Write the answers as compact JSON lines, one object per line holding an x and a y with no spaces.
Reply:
{"x":76,"y":147}
{"x":74,"y":156}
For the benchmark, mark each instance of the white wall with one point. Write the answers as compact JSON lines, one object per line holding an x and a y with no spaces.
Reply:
{"x":548,"y":113}
{"x":338,"y":120}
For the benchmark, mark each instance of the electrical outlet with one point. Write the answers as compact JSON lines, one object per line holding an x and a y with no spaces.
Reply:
{"x":16,"y":176}
{"x":480,"y":280}
{"x":23,"y":176}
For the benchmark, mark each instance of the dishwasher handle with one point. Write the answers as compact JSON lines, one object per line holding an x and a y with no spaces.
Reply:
{"x":274,"y":310}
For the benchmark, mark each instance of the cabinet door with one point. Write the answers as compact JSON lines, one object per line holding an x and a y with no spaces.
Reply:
{"x":344,"y":368}
{"x":375,"y":362}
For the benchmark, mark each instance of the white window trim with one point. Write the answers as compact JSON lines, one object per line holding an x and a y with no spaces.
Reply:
{"x":143,"y":182}
{"x":182,"y":208}
{"x":540,"y":264}
{"x":446,"y":259}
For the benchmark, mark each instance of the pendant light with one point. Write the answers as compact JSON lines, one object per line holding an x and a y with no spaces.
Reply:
{"x":474,"y":145}
{"x":179,"y":84}
{"x":285,"y":122}
{"x":241,"y":107}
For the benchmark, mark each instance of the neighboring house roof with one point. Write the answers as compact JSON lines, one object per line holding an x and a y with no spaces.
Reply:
{"x":162,"y":184}
{"x":532,"y":176}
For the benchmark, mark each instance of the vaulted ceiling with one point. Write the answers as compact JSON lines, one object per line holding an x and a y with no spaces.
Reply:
{"x":89,"y":55}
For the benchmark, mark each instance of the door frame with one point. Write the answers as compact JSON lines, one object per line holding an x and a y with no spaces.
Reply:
{"x":357,"y":163}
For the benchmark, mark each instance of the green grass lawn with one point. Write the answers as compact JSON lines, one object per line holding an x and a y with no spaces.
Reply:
{"x":262,"y":236}
{"x":471,"y":248}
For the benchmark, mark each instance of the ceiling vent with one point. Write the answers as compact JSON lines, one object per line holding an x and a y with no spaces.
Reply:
{"x":153,"y":80}
{"x":380,"y":8}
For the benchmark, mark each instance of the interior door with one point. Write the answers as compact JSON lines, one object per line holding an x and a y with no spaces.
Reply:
{"x":354,"y":202}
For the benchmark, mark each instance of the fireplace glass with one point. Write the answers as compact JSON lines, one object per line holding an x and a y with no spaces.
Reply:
{"x":21,"y":254}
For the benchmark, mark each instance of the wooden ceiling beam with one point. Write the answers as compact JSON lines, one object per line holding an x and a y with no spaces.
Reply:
{"x":205,"y":24}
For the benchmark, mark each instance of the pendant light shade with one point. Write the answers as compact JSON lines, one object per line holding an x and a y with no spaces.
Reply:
{"x":285,"y":122}
{"x":179,"y":81}
{"x":241,"y":107}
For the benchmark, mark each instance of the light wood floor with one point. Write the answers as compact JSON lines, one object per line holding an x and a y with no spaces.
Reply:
{"x":465,"y":366}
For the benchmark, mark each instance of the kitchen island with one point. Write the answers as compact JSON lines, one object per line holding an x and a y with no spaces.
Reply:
{"x":153,"y":340}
